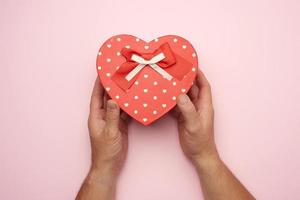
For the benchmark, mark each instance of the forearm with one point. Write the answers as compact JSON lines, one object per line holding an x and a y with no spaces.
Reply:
{"x":217,"y":181}
{"x":98,"y":184}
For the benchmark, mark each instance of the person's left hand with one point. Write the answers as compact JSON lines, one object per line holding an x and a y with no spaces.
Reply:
{"x":108,"y":133}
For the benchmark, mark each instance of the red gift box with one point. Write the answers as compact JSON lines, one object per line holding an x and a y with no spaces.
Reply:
{"x":145,"y":78}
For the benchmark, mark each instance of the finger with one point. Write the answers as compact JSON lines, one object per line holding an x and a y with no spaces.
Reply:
{"x":96,"y":98}
{"x":112,"y":115}
{"x":193,"y":93}
{"x":105,"y":99}
{"x":187,"y":109}
{"x":175,"y":112}
{"x":125,"y":117}
{"x":204,"y":96}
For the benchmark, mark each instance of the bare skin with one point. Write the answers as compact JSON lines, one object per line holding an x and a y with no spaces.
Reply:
{"x":108,"y":133}
{"x":195,"y":116}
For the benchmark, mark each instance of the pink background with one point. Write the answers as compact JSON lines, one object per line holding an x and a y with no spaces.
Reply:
{"x":249,"y":51}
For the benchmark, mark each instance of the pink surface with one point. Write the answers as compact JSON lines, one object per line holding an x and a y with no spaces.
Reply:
{"x":249,"y":51}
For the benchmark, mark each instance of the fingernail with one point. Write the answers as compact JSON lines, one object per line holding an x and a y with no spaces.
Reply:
{"x":111,"y":105}
{"x":183,"y":99}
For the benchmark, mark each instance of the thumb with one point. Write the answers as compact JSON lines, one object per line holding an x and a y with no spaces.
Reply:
{"x":187,"y":109}
{"x":112,"y":114}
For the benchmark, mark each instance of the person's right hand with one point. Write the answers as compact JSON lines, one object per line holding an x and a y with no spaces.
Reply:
{"x":196,"y":121}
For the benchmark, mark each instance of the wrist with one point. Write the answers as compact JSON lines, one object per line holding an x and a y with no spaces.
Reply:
{"x":102,"y":177}
{"x":208,"y":160}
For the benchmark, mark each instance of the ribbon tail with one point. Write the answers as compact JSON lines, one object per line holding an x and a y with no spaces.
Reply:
{"x":162,"y":72}
{"x":134,"y":72}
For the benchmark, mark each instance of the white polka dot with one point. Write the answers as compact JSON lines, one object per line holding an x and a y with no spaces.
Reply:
{"x":155,"y":97}
{"x":136,"y":97}
{"x":127,"y":46}
{"x":145,"y":90}
{"x":136,"y":83}
{"x":137,"y":39}
{"x":154,"y":112}
{"x":117,"y":97}
{"x":117,"y":67}
{"x":155,"y":83}
{"x":99,"y":68}
{"x":145,"y":105}
{"x":107,"y":89}
{"x":118,"y":53}
{"x":184,"y":46}
{"x":146,"y":75}
{"x":99,"y":53}
{"x":183,"y":90}
{"x":118,"y":39}
{"x":145,"y":119}
{"x":164,"y":105}
{"x":164,"y":91}
{"x":135,"y":111}
{"x":108,"y":74}
{"x":174,"y":98}
{"x":108,"y":60}
{"x":108,"y":45}
{"x":174,"y":83}
{"x":126,"y":104}
{"x":156,"y":40}
{"x":193,"y":69}
{"x":146,"y":47}
{"x":175,"y":40}
{"x":194,"y":55}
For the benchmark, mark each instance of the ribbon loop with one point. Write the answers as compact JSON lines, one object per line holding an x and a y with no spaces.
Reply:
{"x":152,"y":63}
{"x":153,"y":60}
{"x":163,"y":60}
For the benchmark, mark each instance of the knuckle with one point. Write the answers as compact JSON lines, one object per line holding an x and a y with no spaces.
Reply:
{"x":194,"y":127}
{"x":111,"y":115}
{"x":195,"y":124}
{"x":112,"y":133}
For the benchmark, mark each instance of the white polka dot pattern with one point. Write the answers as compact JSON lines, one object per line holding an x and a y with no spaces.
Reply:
{"x":150,"y":96}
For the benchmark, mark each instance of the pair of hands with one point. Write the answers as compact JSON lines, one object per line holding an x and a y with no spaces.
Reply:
{"x":108,"y":128}
{"x":194,"y":112}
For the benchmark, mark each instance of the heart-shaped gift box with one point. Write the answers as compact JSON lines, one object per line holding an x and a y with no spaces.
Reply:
{"x":145,"y":78}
